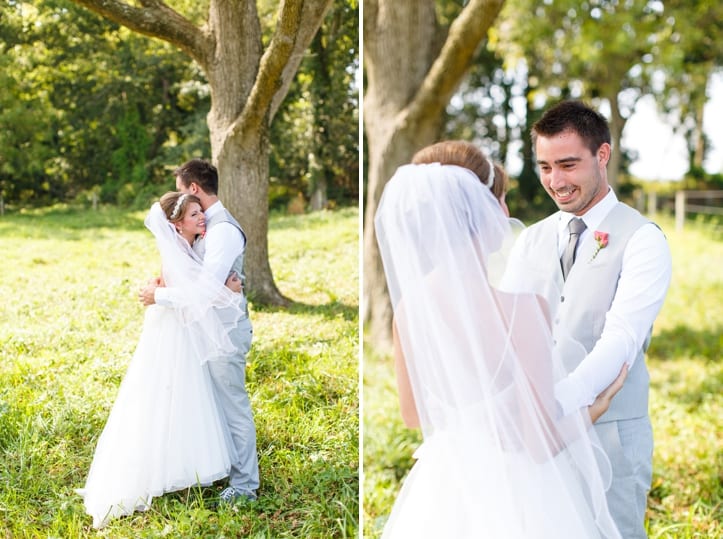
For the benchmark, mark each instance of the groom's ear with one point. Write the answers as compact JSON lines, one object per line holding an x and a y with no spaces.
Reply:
{"x":194,"y":188}
{"x":603,"y":153}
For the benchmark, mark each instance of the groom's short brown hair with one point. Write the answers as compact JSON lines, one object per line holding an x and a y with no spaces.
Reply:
{"x":577,"y":117}
{"x":200,"y":172}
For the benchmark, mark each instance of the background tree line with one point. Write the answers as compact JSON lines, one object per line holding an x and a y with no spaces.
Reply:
{"x":611,"y":54}
{"x":90,"y":108}
{"x":485,"y":70}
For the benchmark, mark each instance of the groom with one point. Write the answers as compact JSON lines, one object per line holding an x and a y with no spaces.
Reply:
{"x":605,"y":271}
{"x":222,"y":250}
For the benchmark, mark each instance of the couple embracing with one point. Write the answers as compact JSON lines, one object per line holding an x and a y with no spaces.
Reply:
{"x":521,"y":357}
{"x":182,"y":416}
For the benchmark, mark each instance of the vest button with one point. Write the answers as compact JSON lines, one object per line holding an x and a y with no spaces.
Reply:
{"x":562,"y":299}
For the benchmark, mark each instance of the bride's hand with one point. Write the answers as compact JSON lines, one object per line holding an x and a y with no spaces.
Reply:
{"x":156,"y":281}
{"x":602,"y":402}
{"x":234,"y":283}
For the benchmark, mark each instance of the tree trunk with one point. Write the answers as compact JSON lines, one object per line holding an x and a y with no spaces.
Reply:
{"x":243,"y":180}
{"x":241,"y":155}
{"x":318,"y":172}
{"x":412,"y":72}
{"x":385,"y":155}
{"x":617,"y":124}
{"x":529,"y":182}
{"x":699,"y":136}
{"x":319,"y":199}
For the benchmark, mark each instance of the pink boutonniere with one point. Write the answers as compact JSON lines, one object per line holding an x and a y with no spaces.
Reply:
{"x":601,"y":239}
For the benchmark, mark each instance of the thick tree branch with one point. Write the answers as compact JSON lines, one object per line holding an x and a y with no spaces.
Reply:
{"x":297,"y":24}
{"x":311,"y":18}
{"x":465,"y":34}
{"x":156,"y":19}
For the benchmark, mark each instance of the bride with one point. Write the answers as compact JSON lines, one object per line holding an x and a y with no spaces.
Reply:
{"x":476,"y":372}
{"x":164,"y":432}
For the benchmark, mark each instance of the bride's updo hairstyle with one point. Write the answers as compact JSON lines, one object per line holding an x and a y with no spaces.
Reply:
{"x":175,"y":204}
{"x":469,"y":156}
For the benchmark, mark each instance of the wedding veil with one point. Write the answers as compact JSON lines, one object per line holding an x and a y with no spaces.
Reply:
{"x":196,"y":294}
{"x":481,"y":368}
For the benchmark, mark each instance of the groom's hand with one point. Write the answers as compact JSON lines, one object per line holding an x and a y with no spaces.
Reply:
{"x":234,"y":283}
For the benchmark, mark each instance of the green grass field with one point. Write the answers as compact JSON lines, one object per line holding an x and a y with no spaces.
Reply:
{"x":686,"y":404}
{"x":69,"y":322}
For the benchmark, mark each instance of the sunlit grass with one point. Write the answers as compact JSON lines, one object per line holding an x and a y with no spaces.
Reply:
{"x":686,"y":400}
{"x":69,"y":323}
{"x":686,"y":403}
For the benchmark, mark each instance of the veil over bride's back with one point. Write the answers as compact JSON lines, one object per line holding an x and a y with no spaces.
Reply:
{"x":497,"y":459}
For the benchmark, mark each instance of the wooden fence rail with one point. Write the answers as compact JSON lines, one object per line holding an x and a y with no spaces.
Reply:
{"x":684,"y":202}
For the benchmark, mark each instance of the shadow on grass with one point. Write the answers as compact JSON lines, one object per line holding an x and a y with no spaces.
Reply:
{"x":321,"y":485}
{"x":693,"y":397}
{"x":331,"y":310}
{"x":701,"y":345}
{"x":71,"y":223}
{"x":282,"y":221}
{"x":684,"y":341}
{"x":324,"y":490}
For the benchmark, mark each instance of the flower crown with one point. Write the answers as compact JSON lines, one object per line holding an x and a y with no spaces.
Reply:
{"x":177,"y":207}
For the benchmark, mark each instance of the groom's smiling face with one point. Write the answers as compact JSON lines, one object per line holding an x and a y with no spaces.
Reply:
{"x":571,"y":174}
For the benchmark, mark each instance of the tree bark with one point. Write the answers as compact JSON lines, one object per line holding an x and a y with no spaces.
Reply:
{"x":413,"y":67}
{"x":699,"y":136}
{"x":247,"y":85}
{"x":617,"y":124}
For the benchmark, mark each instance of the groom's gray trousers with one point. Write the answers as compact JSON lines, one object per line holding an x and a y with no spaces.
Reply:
{"x":629,"y":446}
{"x":228,"y":375}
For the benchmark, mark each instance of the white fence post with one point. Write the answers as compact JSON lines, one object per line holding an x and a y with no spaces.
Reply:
{"x":679,"y":210}
{"x":639,"y":199}
{"x":652,"y":203}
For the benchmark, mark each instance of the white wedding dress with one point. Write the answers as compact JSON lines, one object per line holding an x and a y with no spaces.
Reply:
{"x":164,"y":432}
{"x":497,"y":459}
{"x":463,"y":487}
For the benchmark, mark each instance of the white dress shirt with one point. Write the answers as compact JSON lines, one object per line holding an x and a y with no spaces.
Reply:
{"x":644,"y":279}
{"x":223,"y":243}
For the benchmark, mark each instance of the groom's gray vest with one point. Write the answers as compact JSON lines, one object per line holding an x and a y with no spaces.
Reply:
{"x":587,"y":295}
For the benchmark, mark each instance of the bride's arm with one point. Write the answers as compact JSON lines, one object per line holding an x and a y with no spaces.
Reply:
{"x":404,"y":387}
{"x":532,"y":341}
{"x":602,"y":402}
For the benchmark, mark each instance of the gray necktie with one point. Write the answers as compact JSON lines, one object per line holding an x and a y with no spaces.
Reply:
{"x":575,"y":226}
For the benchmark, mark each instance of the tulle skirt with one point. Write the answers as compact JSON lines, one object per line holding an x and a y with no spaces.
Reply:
{"x":463,"y":488}
{"x":164,"y":432}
